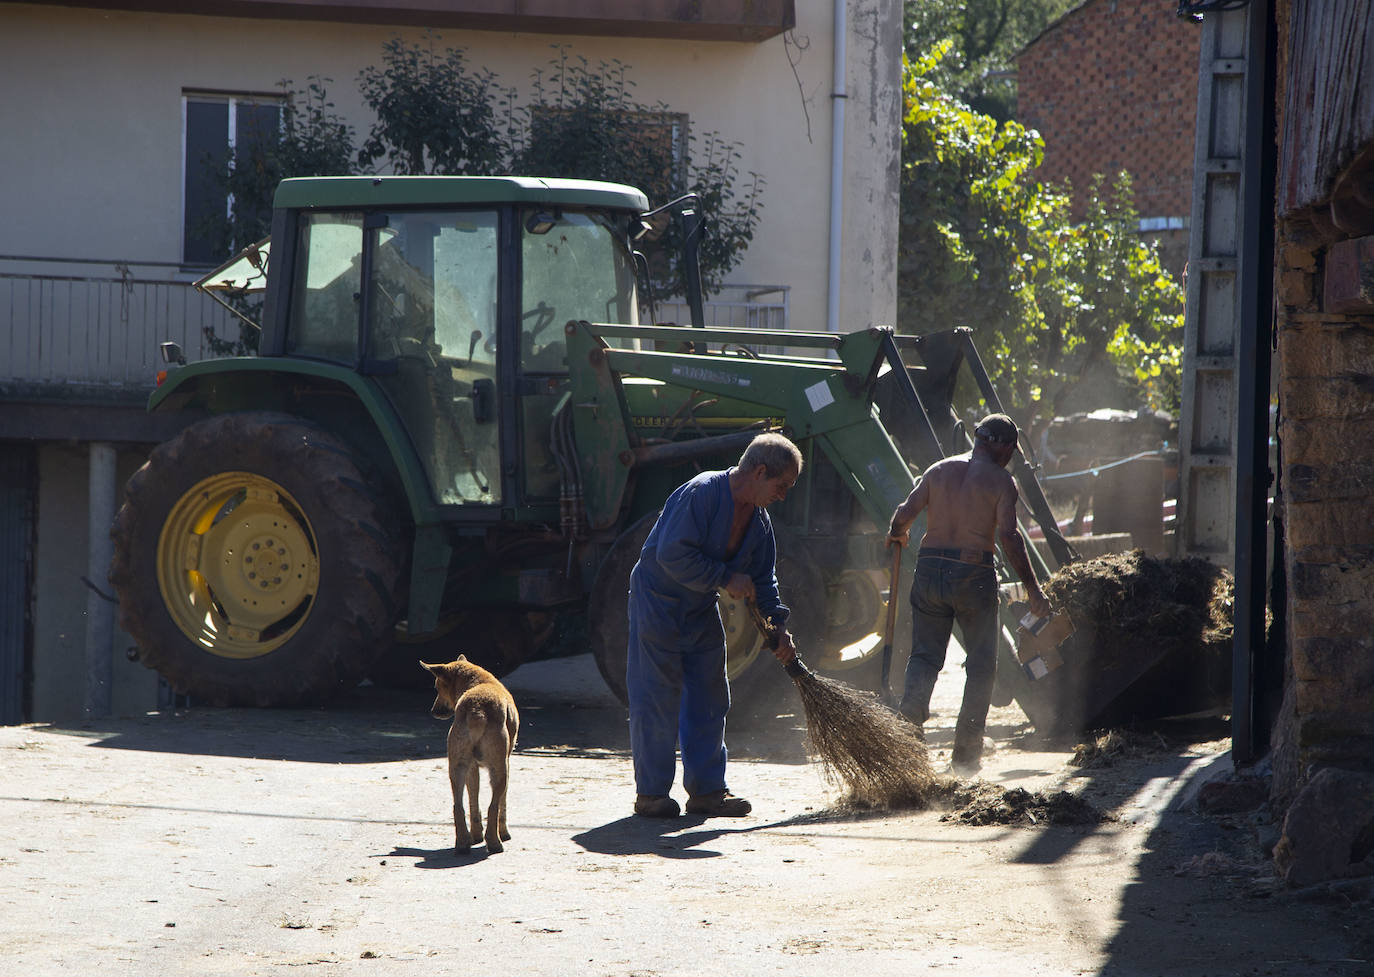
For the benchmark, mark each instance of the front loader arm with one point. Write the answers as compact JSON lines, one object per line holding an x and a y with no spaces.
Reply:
{"x":830,"y":400}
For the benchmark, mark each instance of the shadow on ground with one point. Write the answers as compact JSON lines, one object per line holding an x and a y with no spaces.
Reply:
{"x":563,"y":712}
{"x":680,"y":837}
{"x":365,"y":726}
{"x":1205,"y":900}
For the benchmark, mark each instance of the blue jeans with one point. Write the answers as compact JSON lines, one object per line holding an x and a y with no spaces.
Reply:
{"x":945,"y":591}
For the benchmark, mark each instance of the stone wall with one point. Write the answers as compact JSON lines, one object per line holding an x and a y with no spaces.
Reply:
{"x":1326,"y":430}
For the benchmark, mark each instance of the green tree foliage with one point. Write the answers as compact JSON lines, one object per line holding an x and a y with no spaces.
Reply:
{"x":584,"y":123}
{"x":984,"y":37}
{"x":1111,"y":295}
{"x":1057,"y":308}
{"x":311,"y":140}
{"x":433,"y":114}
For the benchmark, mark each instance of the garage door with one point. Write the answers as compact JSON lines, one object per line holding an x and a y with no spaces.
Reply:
{"x":17,"y":465}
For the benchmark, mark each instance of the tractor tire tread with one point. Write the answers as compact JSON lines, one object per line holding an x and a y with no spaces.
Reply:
{"x":336,"y":645}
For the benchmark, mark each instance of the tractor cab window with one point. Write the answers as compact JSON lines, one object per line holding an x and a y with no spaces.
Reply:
{"x":328,"y":281}
{"x":574,"y":265}
{"x":431,"y":343}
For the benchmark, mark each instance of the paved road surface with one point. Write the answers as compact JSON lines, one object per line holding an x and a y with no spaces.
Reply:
{"x":242,"y":842}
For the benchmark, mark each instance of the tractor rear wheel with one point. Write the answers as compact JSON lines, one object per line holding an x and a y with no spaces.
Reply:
{"x":757,"y":682}
{"x":608,"y":614}
{"x":499,"y":639}
{"x":255,"y":564}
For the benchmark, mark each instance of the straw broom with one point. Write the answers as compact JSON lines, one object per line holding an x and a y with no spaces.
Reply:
{"x":862,"y":745}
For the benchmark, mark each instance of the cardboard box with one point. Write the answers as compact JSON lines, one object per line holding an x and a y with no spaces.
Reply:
{"x":1038,"y":641}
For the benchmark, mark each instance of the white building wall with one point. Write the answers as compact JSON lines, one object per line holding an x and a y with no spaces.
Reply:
{"x":92,"y":119}
{"x":91,"y":152}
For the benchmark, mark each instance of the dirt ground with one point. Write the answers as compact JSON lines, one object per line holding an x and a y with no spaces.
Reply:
{"x":240,"y":842}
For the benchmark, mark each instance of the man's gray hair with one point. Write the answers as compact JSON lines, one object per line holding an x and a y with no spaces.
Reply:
{"x":775,"y":453}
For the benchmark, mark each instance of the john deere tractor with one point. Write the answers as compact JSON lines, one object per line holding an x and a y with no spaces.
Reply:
{"x":456,"y":433}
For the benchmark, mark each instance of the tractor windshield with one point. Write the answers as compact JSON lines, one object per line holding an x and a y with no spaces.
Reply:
{"x":575,"y":265}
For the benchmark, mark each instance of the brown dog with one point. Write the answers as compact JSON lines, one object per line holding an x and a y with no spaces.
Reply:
{"x":485,"y":723}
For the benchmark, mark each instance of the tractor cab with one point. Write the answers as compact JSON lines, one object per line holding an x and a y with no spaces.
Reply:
{"x":451,"y":294}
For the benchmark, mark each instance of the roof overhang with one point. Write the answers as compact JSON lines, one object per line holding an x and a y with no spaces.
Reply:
{"x":702,"y":20}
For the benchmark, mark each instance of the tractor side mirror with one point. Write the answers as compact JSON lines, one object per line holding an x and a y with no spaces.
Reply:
{"x":171,"y":353}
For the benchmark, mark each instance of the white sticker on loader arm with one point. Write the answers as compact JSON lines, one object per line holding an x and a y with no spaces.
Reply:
{"x":819,"y":395}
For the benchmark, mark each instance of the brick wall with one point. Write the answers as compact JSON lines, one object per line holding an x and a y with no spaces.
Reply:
{"x":1323,"y":739}
{"x":1113,"y":85}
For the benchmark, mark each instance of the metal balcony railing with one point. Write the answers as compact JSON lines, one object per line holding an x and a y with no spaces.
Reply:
{"x":61,"y":332}
{"x":77,"y":330}
{"x":736,"y":307}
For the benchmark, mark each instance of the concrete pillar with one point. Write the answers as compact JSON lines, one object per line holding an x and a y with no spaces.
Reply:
{"x":100,"y":613}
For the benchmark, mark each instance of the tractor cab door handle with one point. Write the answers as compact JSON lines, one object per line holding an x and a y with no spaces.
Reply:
{"x":483,"y":400}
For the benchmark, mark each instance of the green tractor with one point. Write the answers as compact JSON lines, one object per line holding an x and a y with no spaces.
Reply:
{"x":456,"y":434}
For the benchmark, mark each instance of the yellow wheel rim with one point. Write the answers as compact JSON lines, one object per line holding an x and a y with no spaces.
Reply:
{"x":238,"y":565}
{"x":856,"y":612}
{"x":743,"y":640}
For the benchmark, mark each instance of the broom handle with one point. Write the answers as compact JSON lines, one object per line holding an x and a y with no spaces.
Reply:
{"x":796,"y":667}
{"x":891,"y":616}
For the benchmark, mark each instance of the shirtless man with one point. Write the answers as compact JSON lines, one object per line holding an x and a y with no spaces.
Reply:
{"x":713,"y":534}
{"x":970,"y":499}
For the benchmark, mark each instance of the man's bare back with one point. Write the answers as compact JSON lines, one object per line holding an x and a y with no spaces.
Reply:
{"x":966,"y":495}
{"x":970,"y":501}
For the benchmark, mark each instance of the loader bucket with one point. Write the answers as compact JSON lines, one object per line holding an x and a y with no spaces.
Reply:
{"x":1152,"y":640}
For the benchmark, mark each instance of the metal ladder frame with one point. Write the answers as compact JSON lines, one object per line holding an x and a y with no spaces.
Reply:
{"x":1212,"y":317}
{"x":1227,"y":358}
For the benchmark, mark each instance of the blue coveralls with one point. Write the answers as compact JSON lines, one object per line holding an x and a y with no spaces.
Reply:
{"x":675,"y":667}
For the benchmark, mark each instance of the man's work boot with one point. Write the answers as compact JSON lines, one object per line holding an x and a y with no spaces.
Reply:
{"x":718,"y":804}
{"x":966,"y":759}
{"x":965,"y":768}
{"x":655,"y":806}
{"x":914,"y":712}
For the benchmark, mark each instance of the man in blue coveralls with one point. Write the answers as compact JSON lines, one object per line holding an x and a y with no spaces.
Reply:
{"x":713,"y":534}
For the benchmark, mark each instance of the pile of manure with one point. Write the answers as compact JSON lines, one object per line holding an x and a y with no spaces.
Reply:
{"x":1131,"y":606}
{"x":980,"y":803}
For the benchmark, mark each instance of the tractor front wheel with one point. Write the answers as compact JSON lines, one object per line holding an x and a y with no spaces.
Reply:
{"x":255,"y":563}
